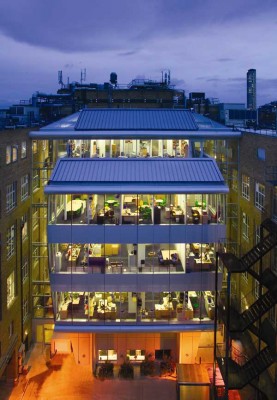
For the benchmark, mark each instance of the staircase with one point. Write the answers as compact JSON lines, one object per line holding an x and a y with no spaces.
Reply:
{"x":239,"y":376}
{"x":259,"y":308}
{"x":234,"y":264}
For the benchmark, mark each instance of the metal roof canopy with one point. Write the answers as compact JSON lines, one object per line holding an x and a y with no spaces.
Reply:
{"x":136,"y":119}
{"x":100,"y":175}
{"x":134,"y":123}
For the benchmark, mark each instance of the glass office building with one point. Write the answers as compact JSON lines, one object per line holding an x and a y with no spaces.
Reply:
{"x":136,"y":214}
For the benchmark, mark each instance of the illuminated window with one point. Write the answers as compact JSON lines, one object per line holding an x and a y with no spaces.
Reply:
{"x":24,"y":187}
{"x":24,"y":149}
{"x":259,"y":196}
{"x":35,"y":146}
{"x":25,"y":270}
{"x":25,"y":308}
{"x":10,"y":241}
{"x":245,"y":189}
{"x":8,"y":154}
{"x":10,"y":196}
{"x":245,"y":226}
{"x":14,"y":153}
{"x":10,"y":289}
{"x":36,"y":179}
{"x":24,"y":227}
{"x":35,"y":217}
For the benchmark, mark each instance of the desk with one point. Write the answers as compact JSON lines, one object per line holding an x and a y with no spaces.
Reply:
{"x":100,"y":219}
{"x":129,"y":217}
{"x":185,"y":311}
{"x":178,"y":215}
{"x":74,"y":207}
{"x":162,"y":311}
{"x":109,"y":312}
{"x":201,"y":264}
{"x":64,"y":310}
{"x":117,"y":267}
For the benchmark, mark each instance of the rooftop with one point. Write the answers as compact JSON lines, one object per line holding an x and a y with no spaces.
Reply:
{"x":136,"y":123}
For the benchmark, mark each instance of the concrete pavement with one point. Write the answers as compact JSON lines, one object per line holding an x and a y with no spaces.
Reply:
{"x":62,"y":378}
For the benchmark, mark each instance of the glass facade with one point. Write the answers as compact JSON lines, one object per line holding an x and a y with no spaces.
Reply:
{"x":113,"y":308}
{"x":136,"y":209}
{"x":116,"y":258}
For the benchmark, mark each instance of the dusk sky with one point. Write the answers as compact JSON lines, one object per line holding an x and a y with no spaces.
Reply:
{"x":208,"y":45}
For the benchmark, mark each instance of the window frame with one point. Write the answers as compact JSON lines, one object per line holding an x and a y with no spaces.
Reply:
{"x":259,"y":196}
{"x":23,"y":149}
{"x":10,"y":289}
{"x":14,"y":153}
{"x":24,"y":227}
{"x":245,"y":226}
{"x":24,"y":187}
{"x":10,"y":241}
{"x":36,"y":179}
{"x":261,"y":153}
{"x":11,"y":196}
{"x":25,"y":270}
{"x":8,"y":154}
{"x":25,"y":308}
{"x":245,"y":187}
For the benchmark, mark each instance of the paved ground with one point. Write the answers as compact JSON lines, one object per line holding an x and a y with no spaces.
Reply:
{"x":63,"y":379}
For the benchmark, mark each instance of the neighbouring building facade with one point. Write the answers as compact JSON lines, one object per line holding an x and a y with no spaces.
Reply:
{"x":251,"y":89}
{"x":15,"y":260}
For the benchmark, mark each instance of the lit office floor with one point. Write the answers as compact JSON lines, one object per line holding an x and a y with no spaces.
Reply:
{"x":148,"y":314}
{"x":119,"y":264}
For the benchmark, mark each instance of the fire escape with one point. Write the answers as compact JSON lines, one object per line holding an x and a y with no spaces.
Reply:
{"x":252,"y":322}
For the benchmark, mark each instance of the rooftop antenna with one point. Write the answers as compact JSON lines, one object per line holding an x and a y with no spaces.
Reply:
{"x":60,"y":78}
{"x":83,"y":75}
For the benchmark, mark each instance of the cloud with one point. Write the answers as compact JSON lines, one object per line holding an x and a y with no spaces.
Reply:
{"x":207,"y":48}
{"x":224,"y":59}
{"x":101,"y":25}
{"x":128,"y":53}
